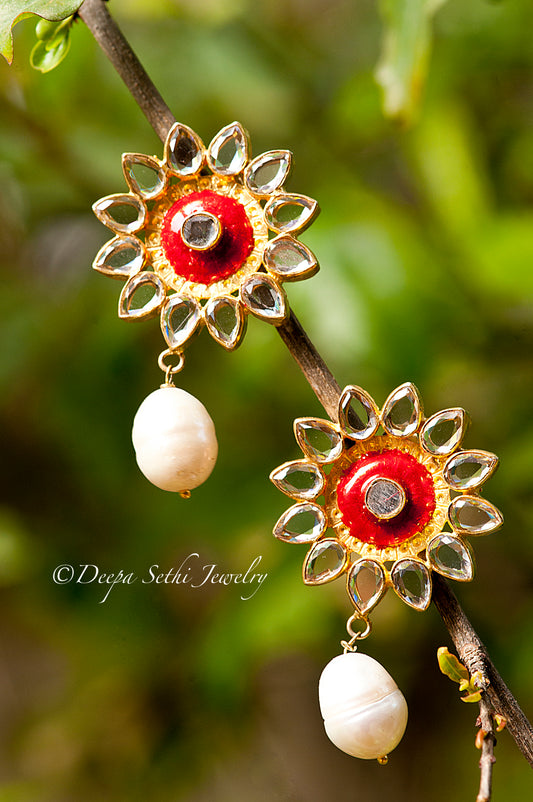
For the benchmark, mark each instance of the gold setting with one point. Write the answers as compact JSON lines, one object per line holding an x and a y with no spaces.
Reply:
{"x":418,"y":556}
{"x":188,"y":166}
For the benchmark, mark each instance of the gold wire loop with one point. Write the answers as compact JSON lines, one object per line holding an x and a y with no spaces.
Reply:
{"x":350,"y":646}
{"x":168,"y":369}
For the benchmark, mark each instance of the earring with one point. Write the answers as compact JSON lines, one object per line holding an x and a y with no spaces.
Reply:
{"x":203,"y":238}
{"x":399,"y":499}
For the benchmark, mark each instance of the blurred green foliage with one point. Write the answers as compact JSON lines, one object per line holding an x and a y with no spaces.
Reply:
{"x":13,"y":11}
{"x":426,"y":243}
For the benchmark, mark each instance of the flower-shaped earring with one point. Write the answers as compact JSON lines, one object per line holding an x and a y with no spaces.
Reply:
{"x":203,"y":238}
{"x":399,"y":498}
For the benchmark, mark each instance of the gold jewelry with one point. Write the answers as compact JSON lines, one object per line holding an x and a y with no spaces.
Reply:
{"x":399,"y":499}
{"x":203,"y":238}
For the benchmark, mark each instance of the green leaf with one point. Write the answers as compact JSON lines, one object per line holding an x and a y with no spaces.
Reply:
{"x":474,"y":696}
{"x":455,"y":670}
{"x":406,"y":47}
{"x":12,"y":11}
{"x":45,"y":57}
{"x":44,"y":29}
{"x":452,"y":667}
{"x":53,"y":32}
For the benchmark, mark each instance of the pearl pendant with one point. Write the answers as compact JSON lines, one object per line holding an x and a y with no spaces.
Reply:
{"x":174,"y":439}
{"x":364,"y":712}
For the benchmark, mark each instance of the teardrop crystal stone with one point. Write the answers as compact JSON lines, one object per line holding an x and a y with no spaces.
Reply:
{"x":228,"y":152}
{"x":264,"y":298}
{"x":366,"y":584}
{"x":268,"y":172}
{"x":451,"y":557}
{"x":289,"y":259}
{"x":301,"y":523}
{"x":124,"y":213}
{"x":474,"y":515}
{"x":141,"y":297}
{"x":443,"y":432}
{"x":402,"y":411}
{"x":225,"y":321}
{"x":180,"y":318}
{"x":469,"y":469}
{"x":326,"y":561}
{"x":358,"y":414}
{"x":184,"y":151}
{"x":121,"y":257}
{"x":318,"y":439}
{"x":412,"y":582}
{"x":290,"y":213}
{"x":299,"y":479}
{"x":143,"y":174}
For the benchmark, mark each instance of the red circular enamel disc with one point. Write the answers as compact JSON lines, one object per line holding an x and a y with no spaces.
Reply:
{"x":230,"y":252}
{"x":416,"y":482}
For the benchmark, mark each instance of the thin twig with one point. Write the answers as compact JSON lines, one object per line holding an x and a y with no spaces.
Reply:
{"x":311,"y":364}
{"x":475,"y":657}
{"x":488,"y":742}
{"x":468,"y":644}
{"x":108,"y":35}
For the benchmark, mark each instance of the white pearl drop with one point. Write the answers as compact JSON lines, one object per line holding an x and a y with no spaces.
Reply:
{"x":364,"y":712}
{"x":174,"y":439}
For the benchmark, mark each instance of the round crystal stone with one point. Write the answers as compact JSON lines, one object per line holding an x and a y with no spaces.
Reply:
{"x":384,"y":498}
{"x":201,"y":231}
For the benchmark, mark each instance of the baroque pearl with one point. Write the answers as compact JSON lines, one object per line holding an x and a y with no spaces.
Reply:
{"x":174,"y":439}
{"x":364,"y":712}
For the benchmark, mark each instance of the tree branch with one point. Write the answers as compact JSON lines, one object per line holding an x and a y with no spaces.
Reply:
{"x":108,"y":35}
{"x":311,"y":364}
{"x":471,"y":650}
{"x":475,"y":657}
{"x":488,"y":742}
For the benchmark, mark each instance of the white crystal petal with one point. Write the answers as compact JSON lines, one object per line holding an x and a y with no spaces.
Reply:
{"x":267,"y":172}
{"x":122,"y":213}
{"x":358,"y":414}
{"x":225,"y":321}
{"x":318,"y":439}
{"x":184,"y":151}
{"x":467,"y":470}
{"x":121,"y":257}
{"x":288,"y":213}
{"x":180,"y":319}
{"x":366,"y":584}
{"x":144,"y":174}
{"x":451,"y":557}
{"x":301,"y":523}
{"x":265,"y":299}
{"x":402,"y":411}
{"x":473,"y":515}
{"x":299,"y":479}
{"x":412,"y":582}
{"x":228,"y":152}
{"x":150,"y":292}
{"x":289,"y":259}
{"x":326,"y":560}
{"x":443,"y":432}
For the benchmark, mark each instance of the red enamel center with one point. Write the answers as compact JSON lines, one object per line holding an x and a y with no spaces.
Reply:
{"x":226,"y":257}
{"x":413,"y":478}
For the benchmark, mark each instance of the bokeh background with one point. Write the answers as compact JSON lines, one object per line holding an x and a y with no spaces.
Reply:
{"x":426,"y":246}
